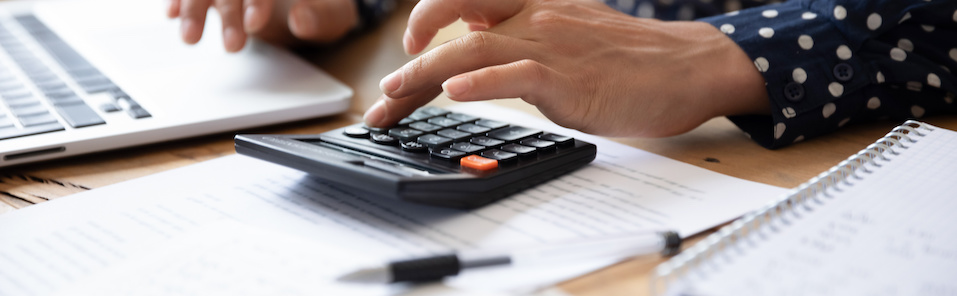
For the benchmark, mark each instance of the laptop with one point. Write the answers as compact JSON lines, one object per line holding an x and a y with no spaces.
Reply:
{"x":85,"y":76}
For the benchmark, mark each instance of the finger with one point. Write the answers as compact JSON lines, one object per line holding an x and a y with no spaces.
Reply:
{"x":388,"y":111}
{"x":526,"y":79}
{"x":429,"y":16}
{"x":533,"y":82}
{"x":234,"y":36}
{"x":256,"y":14}
{"x":193,"y":15}
{"x":172,"y":10}
{"x":473,"y":51}
{"x":322,"y":20}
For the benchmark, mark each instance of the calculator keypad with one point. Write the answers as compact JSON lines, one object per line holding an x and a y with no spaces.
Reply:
{"x":470,"y":142}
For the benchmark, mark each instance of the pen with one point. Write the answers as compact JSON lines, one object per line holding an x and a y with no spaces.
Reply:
{"x":437,"y":267}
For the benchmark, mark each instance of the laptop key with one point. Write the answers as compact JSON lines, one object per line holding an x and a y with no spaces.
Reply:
{"x":13,"y":132}
{"x":79,"y":115}
{"x":22,"y":102}
{"x":29,"y":110}
{"x":39,"y":119}
{"x":138,"y":112}
{"x":66,"y":100}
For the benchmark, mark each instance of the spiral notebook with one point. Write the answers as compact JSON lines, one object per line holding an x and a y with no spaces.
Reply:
{"x":879,"y":223}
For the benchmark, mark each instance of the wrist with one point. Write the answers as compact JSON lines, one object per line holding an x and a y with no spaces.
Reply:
{"x":734,"y":83}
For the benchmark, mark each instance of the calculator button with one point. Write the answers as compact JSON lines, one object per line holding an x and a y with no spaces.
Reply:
{"x":434,"y":111}
{"x":486,"y":141}
{"x":376,"y":130}
{"x":404,"y":133}
{"x":472,"y":128}
{"x":444,"y":121}
{"x":500,"y":155}
{"x":468,"y":147}
{"x":356,"y":132}
{"x":492,"y":124}
{"x":478,"y":163}
{"x":447,"y":154}
{"x":425,"y":126}
{"x":558,"y":139}
{"x":406,"y":121}
{"x":419,"y":115}
{"x":538,"y":143}
{"x":384,"y":139}
{"x":455,"y":135}
{"x":521,"y":150}
{"x":413,"y":146}
{"x":434,"y":140}
{"x":512,"y":133}
{"x":462,"y":117}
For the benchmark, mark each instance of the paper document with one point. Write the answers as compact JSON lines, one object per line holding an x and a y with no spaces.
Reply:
{"x":203,"y":228}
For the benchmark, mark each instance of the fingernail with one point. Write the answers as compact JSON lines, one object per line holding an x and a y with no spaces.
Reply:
{"x":375,"y":113}
{"x":457,"y":86}
{"x":407,"y":42}
{"x":303,"y":20}
{"x":232,"y":39}
{"x":185,"y":26}
{"x":391,"y":82}
{"x":249,"y":19}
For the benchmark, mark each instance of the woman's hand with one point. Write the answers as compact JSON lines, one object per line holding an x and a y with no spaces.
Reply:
{"x":582,"y":64}
{"x":277,"y":21}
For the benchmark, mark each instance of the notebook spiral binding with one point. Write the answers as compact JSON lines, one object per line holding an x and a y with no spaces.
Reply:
{"x":813,"y":189}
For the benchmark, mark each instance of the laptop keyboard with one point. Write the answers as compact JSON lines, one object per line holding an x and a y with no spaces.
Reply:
{"x":39,"y":96}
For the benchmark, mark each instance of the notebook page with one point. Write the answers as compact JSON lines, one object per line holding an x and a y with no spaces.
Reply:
{"x":890,"y":233}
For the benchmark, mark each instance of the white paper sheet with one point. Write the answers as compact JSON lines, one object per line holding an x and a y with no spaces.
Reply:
{"x":136,"y":231}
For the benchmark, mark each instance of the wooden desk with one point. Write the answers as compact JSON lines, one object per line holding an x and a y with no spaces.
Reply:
{"x":361,"y":62}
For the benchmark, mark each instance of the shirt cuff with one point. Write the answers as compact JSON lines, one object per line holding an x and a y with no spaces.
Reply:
{"x":807,"y":64}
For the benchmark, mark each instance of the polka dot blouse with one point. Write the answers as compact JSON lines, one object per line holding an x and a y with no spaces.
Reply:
{"x":829,"y":63}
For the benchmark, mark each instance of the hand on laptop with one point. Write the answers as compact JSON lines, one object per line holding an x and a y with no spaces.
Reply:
{"x":277,"y":21}
{"x":583,"y":64}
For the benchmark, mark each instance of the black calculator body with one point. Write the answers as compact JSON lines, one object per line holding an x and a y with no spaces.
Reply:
{"x":433,"y":157}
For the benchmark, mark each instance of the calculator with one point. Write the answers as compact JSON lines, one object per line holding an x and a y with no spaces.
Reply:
{"x":433,"y":156}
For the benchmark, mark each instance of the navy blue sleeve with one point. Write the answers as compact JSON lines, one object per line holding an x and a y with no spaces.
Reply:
{"x":828,"y":63}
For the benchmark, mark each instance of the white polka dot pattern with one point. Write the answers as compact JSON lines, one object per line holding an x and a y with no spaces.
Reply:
{"x":840,"y":12}
{"x":917,"y":111}
{"x":844,"y":52}
{"x":806,"y":42}
{"x":874,"y":21}
{"x":828,"y":110}
{"x":799,"y":75}
{"x":933,"y":80}
{"x":762,"y":64}
{"x":873,"y":103}
{"x":836,"y":89}
{"x":905,"y":44}
{"x":837,"y":62}
{"x":727,"y":28}
{"x":898,"y":54}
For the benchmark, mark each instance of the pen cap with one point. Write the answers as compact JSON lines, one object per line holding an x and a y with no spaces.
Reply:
{"x":672,"y":243}
{"x":425,"y":269}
